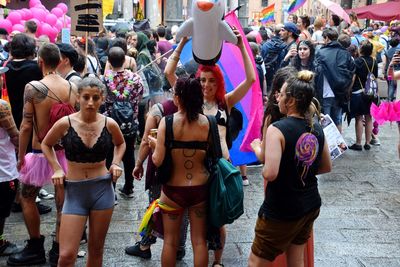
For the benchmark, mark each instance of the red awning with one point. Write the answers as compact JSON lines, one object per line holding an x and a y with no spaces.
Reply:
{"x":384,"y":12}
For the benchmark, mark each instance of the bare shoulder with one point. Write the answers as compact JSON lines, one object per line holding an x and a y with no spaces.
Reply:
{"x":111,"y":123}
{"x":35,"y":92}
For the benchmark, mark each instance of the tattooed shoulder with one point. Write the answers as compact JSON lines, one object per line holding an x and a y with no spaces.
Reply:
{"x":5,"y":109}
{"x":34,"y":94}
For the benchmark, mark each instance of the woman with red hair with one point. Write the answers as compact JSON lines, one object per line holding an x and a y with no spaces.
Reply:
{"x":217,"y":101}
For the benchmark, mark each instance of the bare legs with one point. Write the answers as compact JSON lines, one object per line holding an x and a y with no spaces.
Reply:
{"x":359,"y":129}
{"x":172,"y":222}
{"x":294,"y":258}
{"x":29,"y":209}
{"x":71,"y":232}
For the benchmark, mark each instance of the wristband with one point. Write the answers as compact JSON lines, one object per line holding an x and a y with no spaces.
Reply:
{"x":114,"y":163}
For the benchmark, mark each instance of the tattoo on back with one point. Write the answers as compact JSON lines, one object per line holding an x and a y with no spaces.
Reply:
{"x":35,"y":95}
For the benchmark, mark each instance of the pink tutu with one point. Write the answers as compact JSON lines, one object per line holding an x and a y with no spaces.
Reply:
{"x":37,"y":171}
{"x":386,"y":112}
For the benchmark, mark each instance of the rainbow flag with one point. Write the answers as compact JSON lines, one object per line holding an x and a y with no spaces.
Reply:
{"x":268,"y":13}
{"x":251,"y":106}
{"x":294,"y":5}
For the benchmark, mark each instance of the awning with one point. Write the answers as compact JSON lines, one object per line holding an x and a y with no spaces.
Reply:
{"x":385,"y":12}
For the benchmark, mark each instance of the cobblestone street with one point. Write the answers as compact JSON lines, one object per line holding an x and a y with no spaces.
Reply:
{"x":358,"y":225}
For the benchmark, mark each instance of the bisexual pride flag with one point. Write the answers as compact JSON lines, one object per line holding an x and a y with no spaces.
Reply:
{"x":251,"y":106}
{"x":268,"y":14}
{"x":294,"y":5}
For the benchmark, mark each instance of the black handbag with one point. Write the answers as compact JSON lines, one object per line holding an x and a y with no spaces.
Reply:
{"x":163,"y":173}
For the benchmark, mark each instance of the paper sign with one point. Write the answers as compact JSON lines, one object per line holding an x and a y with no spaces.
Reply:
{"x":66,"y":36}
{"x":337,"y":145}
{"x":86,"y":16}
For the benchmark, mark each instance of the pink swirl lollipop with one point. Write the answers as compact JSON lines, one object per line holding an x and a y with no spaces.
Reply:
{"x":306,"y":152}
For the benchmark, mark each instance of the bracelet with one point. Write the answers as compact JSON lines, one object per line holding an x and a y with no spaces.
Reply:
{"x":114,"y":163}
{"x":175,"y":58}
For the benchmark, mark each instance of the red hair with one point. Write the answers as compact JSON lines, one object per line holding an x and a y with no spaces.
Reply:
{"x":216,"y":71}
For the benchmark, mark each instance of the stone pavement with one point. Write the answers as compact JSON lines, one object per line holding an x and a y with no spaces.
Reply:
{"x":358,"y":225}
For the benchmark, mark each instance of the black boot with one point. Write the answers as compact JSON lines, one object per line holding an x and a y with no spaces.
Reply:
{"x":54,"y":253}
{"x":32,"y":254}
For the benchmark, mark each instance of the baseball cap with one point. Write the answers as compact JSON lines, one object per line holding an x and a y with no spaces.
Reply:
{"x":68,"y":51}
{"x":291,"y":27}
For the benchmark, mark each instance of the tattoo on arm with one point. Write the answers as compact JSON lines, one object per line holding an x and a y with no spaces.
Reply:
{"x":34,"y":94}
{"x":6,"y":119}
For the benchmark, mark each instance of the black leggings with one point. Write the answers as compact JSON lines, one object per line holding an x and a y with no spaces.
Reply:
{"x":128,"y":160}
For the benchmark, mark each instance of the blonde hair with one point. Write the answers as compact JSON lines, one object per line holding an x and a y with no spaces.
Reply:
{"x":305,"y":75}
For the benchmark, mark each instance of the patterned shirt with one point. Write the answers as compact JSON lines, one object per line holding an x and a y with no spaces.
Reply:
{"x":122,"y":86}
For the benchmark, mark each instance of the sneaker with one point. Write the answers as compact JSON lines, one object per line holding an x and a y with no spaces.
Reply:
{"x":375,"y":142}
{"x":43,"y":209}
{"x":9,"y":248}
{"x":137,"y":252}
{"x":43,"y":194}
{"x":245,"y":181}
{"x":37,"y":200}
{"x":126,"y":193}
{"x":367,"y":147}
{"x":355,"y":147}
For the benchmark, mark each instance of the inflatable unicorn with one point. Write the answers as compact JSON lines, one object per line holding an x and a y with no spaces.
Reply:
{"x":208,"y":30}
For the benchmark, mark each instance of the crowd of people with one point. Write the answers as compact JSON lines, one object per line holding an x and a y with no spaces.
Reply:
{"x":115,"y":89}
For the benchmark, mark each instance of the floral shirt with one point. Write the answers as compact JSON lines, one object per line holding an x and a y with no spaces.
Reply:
{"x":122,"y":86}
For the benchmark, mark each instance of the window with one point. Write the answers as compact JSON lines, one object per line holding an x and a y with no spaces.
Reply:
{"x":264,"y":3}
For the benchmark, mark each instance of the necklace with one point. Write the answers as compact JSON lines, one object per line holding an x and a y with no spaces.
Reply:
{"x":209,"y":106}
{"x":49,"y":73}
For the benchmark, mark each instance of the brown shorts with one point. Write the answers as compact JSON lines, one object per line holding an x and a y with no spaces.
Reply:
{"x":274,"y":237}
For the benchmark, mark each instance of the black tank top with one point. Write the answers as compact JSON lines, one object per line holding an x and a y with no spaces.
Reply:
{"x":294,"y":193}
{"x":77,"y":151}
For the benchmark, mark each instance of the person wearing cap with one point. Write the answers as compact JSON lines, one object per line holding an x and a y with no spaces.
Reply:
{"x":289,"y":34}
{"x":356,"y":37}
{"x":69,"y":57}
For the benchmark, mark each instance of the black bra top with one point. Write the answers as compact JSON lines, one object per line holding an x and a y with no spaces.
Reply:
{"x":220,"y":120}
{"x":189,"y":144}
{"x":77,"y":151}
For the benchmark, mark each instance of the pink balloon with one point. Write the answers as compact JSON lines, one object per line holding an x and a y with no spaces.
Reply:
{"x":51,"y":19}
{"x":41,"y":7}
{"x":14,"y":17}
{"x":33,"y":3}
{"x":57,"y":11}
{"x":59,"y":25}
{"x":6,"y":24}
{"x":39,"y":14}
{"x":28,"y":14}
{"x":63,"y":7}
{"x":18,"y":27}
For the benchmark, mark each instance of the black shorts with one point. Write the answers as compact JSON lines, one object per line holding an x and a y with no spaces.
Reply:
{"x":8,"y":190}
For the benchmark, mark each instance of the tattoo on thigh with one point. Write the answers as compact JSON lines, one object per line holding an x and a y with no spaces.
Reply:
{"x":29,"y":191}
{"x":173,"y":216}
{"x":200,"y":212}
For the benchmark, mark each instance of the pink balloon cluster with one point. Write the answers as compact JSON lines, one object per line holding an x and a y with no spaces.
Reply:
{"x":49,"y":23}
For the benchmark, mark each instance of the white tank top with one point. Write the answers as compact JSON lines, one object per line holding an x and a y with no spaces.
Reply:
{"x":8,"y":161}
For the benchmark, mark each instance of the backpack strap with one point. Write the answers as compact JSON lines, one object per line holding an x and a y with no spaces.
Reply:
{"x":72,"y":74}
{"x":169,"y":135}
{"x":217,"y":151}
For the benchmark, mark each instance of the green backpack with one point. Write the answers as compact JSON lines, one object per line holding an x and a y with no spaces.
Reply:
{"x":226,"y":186}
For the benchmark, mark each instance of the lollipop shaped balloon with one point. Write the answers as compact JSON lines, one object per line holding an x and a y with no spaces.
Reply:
{"x":208,"y":30}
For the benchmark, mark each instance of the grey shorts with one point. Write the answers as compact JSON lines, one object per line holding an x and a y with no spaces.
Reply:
{"x":83,"y":196}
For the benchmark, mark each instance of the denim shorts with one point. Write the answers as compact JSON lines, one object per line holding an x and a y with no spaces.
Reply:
{"x":331,"y":107}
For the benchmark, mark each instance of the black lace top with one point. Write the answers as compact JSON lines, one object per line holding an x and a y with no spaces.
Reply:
{"x":77,"y":151}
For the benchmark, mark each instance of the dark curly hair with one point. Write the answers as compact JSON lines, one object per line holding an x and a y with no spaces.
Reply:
{"x":272,"y":109}
{"x":190,"y":94}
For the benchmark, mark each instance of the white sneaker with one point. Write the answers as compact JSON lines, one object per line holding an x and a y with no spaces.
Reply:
{"x":38,"y":200}
{"x":43,"y":194}
{"x":245,"y":181}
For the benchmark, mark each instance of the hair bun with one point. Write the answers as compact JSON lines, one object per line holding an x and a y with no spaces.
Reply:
{"x":305,"y":75}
